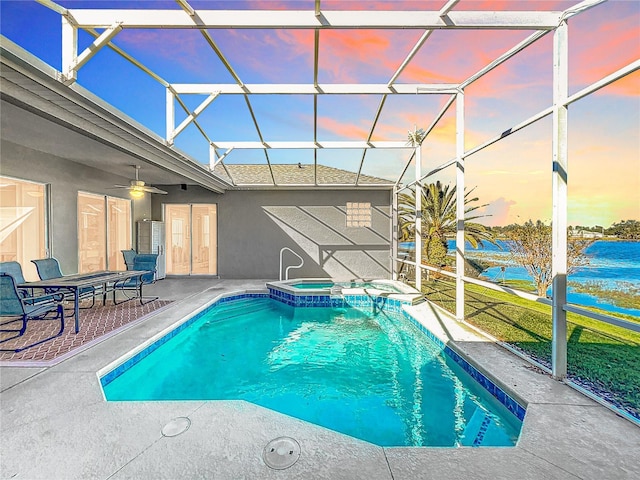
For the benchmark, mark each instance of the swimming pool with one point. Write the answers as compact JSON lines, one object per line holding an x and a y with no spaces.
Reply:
{"x":366,"y":372}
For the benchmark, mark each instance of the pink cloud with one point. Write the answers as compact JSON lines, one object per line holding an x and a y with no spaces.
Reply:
{"x":360,"y":55}
{"x":498,"y":212}
{"x":343,"y":129}
{"x":600,"y":50}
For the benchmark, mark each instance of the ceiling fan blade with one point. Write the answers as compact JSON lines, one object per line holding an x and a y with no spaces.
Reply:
{"x":150,"y":189}
{"x":138,"y":185}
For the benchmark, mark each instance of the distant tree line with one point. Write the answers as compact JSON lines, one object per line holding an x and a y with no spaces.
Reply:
{"x":624,"y":229}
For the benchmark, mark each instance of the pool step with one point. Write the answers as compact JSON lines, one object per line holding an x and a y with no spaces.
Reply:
{"x":483,"y":430}
{"x":476,"y":428}
{"x":240,"y":307}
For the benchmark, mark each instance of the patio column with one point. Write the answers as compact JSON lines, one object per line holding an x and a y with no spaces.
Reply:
{"x":394,"y":233}
{"x":418,"y":239}
{"x":559,"y":188}
{"x":460,"y":205}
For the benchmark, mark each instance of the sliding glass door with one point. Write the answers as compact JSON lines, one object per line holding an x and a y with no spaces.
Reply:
{"x":23,"y":234}
{"x":104,"y":229}
{"x":192,"y":239}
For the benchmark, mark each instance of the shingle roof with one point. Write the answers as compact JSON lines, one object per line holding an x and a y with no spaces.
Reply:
{"x":300,"y":174}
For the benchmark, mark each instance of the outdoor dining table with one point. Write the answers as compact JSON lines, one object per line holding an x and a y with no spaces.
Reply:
{"x":73,"y":283}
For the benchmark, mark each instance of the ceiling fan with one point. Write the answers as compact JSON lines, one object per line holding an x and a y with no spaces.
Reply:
{"x":137,"y":188}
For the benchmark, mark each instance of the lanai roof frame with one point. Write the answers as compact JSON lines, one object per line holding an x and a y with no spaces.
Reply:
{"x":318,"y":19}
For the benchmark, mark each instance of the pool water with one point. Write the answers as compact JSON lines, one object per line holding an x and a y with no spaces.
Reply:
{"x":372,"y":376}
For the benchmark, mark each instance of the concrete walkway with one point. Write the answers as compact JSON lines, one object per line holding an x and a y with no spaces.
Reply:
{"x":55,"y":423}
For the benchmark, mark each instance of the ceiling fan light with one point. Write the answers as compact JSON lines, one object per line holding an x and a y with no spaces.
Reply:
{"x":136,"y":193}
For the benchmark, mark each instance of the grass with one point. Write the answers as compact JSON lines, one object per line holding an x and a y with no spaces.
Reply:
{"x":601,"y":357}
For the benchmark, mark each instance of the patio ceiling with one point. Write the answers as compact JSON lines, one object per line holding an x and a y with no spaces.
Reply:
{"x":186,"y":102}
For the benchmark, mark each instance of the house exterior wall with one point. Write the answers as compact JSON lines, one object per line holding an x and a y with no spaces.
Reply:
{"x":66,"y":179}
{"x":253,"y":225}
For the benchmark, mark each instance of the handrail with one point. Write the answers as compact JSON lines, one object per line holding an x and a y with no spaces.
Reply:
{"x":286,"y":272}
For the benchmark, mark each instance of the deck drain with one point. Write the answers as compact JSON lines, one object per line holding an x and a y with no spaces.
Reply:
{"x":176,"y":427}
{"x":281,"y":453}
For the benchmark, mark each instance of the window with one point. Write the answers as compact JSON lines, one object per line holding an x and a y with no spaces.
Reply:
{"x":358,"y":214}
{"x":104,"y":229}
{"x":23,"y":234}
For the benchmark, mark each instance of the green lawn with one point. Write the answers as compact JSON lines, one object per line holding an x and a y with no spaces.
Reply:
{"x":601,"y":357}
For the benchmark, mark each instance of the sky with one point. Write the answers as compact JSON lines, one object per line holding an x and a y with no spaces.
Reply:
{"x":512,"y":177}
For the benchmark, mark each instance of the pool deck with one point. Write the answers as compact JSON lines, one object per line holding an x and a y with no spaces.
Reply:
{"x":56,"y":425}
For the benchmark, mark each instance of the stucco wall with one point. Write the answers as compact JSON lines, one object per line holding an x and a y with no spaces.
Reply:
{"x":66,"y":179}
{"x":254,"y":225}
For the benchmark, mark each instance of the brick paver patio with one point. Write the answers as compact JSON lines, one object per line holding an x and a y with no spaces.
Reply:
{"x":96,"y":324}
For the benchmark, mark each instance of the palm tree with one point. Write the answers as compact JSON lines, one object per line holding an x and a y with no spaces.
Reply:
{"x":416,"y":137}
{"x":438,"y":206}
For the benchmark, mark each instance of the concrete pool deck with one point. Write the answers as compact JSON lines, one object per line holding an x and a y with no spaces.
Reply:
{"x":56,"y":425}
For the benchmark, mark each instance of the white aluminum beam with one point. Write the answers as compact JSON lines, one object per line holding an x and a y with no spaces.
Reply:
{"x":135,"y":62}
{"x":373,"y":127}
{"x":197,"y":22}
{"x":580,"y":7}
{"x":617,"y":75}
{"x":316,"y":57}
{"x":410,"y":56}
{"x":538,"y":116}
{"x":102,"y":40}
{"x":406,"y":167}
{"x":170,"y":113}
{"x":428,"y":131}
{"x":559,"y":189}
{"x":460,"y":186}
{"x":191,"y":117}
{"x":310,"y":145}
{"x":69,"y":50}
{"x":53,"y":6}
{"x":504,"y":57}
{"x":444,"y":11}
{"x":418,"y":225}
{"x":312,"y":89}
{"x":394,"y":234}
{"x":307,"y":19}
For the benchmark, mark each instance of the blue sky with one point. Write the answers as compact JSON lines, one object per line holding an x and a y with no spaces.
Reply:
{"x":512,"y":176}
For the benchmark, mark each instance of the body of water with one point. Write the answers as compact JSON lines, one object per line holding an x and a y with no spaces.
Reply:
{"x":613,"y":266}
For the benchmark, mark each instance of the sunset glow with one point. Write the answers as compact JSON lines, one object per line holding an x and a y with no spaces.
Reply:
{"x":513,"y":176}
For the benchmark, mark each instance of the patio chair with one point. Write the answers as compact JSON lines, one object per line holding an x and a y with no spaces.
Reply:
{"x":15,"y":270}
{"x":143,"y":262}
{"x":49,"y":268}
{"x":129,"y":256}
{"x":14,"y":309}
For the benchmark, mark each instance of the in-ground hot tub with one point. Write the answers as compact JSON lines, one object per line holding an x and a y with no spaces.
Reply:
{"x":324,"y":286}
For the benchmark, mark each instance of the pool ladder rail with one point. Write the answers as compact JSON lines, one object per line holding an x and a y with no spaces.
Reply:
{"x":286,"y":272}
{"x":336,"y":291}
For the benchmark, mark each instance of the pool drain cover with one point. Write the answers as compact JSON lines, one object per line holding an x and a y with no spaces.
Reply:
{"x":176,"y":427}
{"x":281,"y":453}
